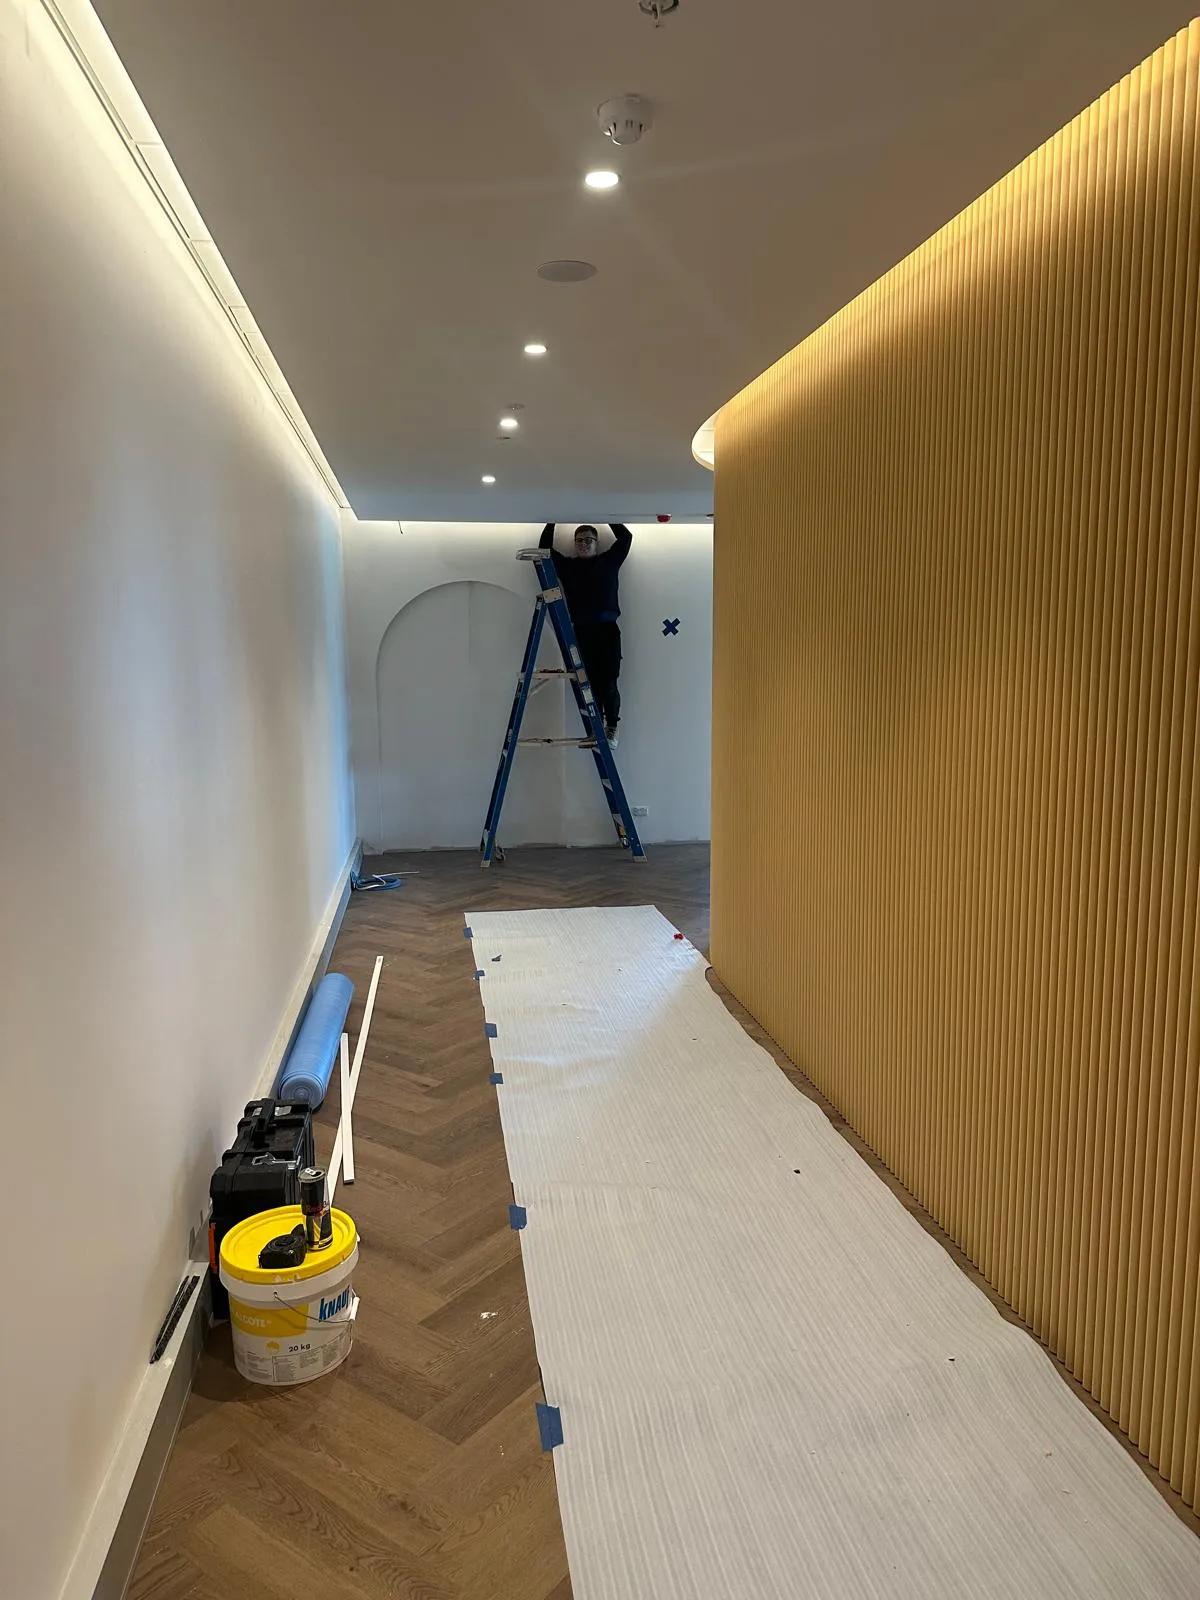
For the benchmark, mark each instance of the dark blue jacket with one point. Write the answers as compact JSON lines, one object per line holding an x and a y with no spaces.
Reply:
{"x":590,"y":582}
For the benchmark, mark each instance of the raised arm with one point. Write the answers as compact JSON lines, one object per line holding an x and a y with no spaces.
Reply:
{"x":622,"y":539}
{"x":546,"y":542}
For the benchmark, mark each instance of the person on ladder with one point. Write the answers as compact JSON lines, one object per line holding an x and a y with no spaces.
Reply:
{"x":589,"y":582}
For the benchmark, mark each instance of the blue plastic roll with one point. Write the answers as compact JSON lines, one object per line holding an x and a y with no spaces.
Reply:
{"x":309,"y":1066}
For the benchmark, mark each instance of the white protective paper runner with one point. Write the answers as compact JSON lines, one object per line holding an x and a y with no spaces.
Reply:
{"x":773,"y":1384}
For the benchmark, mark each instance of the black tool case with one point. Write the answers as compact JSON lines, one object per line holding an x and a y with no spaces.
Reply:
{"x":259,"y":1171}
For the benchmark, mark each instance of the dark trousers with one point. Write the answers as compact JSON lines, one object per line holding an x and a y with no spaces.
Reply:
{"x":600,"y":647}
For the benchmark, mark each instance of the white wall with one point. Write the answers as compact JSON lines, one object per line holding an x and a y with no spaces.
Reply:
{"x":437,"y":619}
{"x":177,"y":807}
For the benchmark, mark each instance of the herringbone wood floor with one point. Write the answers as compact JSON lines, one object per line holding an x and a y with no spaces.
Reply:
{"x":415,"y":1470}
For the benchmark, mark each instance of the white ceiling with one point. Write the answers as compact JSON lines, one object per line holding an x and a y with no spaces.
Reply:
{"x":384,"y":177}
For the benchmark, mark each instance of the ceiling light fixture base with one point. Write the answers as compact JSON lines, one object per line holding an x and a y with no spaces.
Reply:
{"x":658,"y":9}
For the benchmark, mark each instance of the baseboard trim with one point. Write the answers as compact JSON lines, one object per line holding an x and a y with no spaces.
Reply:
{"x":108,"y":1551}
{"x":134,"y":1517}
{"x":315,"y":966}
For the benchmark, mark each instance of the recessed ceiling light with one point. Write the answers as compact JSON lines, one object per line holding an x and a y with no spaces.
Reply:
{"x":509,"y":424}
{"x":487,"y":478}
{"x":566,"y":271}
{"x":535,"y":349}
{"x":602,"y":179}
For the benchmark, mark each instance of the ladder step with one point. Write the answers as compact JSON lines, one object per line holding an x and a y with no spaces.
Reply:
{"x":581,"y":744}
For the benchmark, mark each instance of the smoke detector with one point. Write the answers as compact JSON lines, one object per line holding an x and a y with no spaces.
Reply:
{"x":658,"y":9}
{"x":625,"y":118}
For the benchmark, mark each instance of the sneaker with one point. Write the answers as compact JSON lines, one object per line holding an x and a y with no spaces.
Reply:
{"x":611,"y":735}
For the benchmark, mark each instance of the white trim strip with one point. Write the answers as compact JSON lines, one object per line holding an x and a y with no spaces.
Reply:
{"x":342,"y":1155}
{"x":360,"y":1049}
{"x":346,"y":1124}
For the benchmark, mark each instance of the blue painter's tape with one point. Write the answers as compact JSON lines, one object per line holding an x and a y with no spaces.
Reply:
{"x":490,"y":1029}
{"x":549,"y":1420}
{"x":670,"y":625}
{"x":516,"y":1217}
{"x":467,"y":933}
{"x":496,"y":1077}
{"x":478,"y":973}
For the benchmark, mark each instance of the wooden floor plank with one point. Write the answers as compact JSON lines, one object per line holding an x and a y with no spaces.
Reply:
{"x":166,"y":1572}
{"x":483,"y":1466}
{"x":502,"y":1366}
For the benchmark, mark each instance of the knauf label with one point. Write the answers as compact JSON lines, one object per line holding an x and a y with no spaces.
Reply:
{"x":330,"y":1308}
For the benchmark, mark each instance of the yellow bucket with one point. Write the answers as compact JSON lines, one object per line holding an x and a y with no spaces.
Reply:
{"x":290,"y":1324}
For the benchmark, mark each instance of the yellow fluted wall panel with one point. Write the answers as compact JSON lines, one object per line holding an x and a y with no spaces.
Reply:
{"x":956,"y":804}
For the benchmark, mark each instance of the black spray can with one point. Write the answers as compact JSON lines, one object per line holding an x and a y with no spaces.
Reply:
{"x":318,"y":1223}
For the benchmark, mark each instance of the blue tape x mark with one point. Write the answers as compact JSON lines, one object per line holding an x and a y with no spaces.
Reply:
{"x":516,"y":1217}
{"x":490,"y":1029}
{"x":670,"y":625}
{"x":496,"y":1077}
{"x":549,"y":1419}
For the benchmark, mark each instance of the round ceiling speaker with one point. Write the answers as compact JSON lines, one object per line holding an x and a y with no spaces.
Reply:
{"x":566,"y":271}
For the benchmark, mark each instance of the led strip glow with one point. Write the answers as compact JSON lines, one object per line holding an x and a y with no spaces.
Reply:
{"x":83,"y":33}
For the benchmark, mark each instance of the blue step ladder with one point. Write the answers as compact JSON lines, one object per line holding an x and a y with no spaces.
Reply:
{"x":551,"y":603}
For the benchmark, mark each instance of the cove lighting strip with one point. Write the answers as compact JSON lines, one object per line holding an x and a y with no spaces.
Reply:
{"x":83,"y":33}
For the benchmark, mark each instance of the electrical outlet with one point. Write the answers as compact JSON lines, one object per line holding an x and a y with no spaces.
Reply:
{"x":641,"y":811}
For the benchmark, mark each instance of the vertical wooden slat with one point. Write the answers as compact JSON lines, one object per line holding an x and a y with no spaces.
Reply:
{"x":956,"y":809}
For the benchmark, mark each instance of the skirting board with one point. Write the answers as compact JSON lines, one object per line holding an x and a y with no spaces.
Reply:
{"x":314,"y":969}
{"x":105,"y":1559}
{"x":139,"y":1502}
